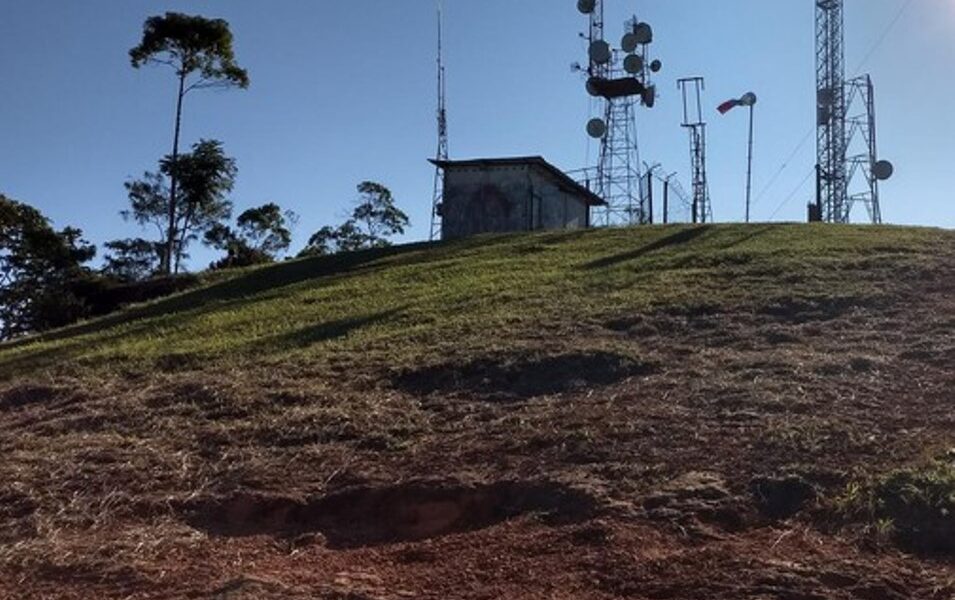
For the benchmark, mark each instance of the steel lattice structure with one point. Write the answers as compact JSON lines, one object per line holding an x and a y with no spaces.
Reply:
{"x":702,"y":210}
{"x":831,"y":112}
{"x":442,"y":153}
{"x":618,"y":179}
{"x":862,"y":164}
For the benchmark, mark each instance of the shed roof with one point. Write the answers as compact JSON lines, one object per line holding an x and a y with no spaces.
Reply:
{"x":565,"y":182}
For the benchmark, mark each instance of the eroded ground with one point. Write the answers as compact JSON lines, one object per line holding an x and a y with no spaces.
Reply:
{"x":690,"y":453}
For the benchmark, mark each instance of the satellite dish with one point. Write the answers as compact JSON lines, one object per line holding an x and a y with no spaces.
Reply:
{"x":596,"y":128}
{"x":649,"y":96}
{"x":655,"y":66}
{"x":748,"y":99}
{"x":643,"y":33}
{"x":629,"y":42}
{"x":586,"y":6}
{"x":633,"y":64}
{"x":592,"y":87}
{"x":883,"y":170}
{"x":600,"y":52}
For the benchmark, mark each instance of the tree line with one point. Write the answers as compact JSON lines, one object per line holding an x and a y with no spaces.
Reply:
{"x":45,"y":277}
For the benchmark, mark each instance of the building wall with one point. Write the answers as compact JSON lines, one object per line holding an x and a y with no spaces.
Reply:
{"x":502,"y":199}
{"x":555,"y":208}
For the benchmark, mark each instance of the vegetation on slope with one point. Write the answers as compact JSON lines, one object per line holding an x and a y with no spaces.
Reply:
{"x":595,"y":401}
{"x":410,"y":305}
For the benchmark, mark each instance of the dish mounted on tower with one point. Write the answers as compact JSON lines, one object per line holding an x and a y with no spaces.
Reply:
{"x":619,"y":79}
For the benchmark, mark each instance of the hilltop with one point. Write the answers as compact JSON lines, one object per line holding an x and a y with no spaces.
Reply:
{"x":677,"y":412}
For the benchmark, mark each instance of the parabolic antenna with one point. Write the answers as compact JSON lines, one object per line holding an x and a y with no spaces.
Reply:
{"x":629,"y":43}
{"x":592,"y":87}
{"x":596,"y":128}
{"x":586,"y":6}
{"x":748,"y":99}
{"x":655,"y":66}
{"x":883,"y":170}
{"x":600,"y":52}
{"x":644,"y":33}
{"x":633,"y":64}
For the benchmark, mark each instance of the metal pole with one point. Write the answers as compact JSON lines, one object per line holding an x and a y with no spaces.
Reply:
{"x":749,"y":164}
{"x":666,"y":200}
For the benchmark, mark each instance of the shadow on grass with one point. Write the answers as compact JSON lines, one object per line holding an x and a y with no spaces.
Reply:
{"x":321,"y":332}
{"x":243,"y":286}
{"x":682,"y":236}
{"x":514,"y":377}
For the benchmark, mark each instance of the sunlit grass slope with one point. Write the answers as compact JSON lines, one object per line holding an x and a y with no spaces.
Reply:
{"x":415,"y":304}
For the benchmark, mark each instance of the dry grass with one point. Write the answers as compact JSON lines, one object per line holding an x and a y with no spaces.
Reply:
{"x":615,"y":363}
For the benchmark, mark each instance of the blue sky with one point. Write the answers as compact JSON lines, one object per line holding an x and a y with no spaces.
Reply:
{"x":344,"y":91}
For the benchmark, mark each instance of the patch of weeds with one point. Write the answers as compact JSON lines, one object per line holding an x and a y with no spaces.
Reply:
{"x":914,"y":507}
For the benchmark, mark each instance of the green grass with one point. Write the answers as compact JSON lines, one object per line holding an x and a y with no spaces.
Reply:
{"x":415,"y":304}
{"x":916,"y":506}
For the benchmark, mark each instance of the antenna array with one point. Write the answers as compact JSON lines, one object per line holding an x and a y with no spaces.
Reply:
{"x":621,"y":79}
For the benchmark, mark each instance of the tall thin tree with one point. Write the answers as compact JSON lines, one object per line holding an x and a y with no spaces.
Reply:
{"x":200,"y":51}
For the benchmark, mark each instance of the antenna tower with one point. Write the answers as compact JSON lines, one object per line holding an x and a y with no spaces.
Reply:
{"x":835,"y":168}
{"x":620,"y":79}
{"x":865,"y":163}
{"x":831,"y":112}
{"x":442,"y":114}
{"x":692,"y":90}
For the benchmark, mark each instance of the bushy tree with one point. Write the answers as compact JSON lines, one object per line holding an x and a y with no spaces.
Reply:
{"x":133,"y":259}
{"x":374,"y":220}
{"x":206,"y":176}
{"x":200,"y":52}
{"x":39,"y":268}
{"x":260,"y":235}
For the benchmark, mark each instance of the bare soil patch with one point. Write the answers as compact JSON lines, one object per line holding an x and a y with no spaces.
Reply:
{"x":370,"y":516}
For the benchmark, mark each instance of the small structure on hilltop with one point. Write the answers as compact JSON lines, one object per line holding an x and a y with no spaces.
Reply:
{"x":499,"y":195}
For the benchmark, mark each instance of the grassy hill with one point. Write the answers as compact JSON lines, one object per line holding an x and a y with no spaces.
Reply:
{"x":755,"y":411}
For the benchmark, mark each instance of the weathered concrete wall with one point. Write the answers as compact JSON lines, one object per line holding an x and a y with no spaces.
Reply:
{"x":555,"y":208}
{"x":485,"y":200}
{"x":503,"y":199}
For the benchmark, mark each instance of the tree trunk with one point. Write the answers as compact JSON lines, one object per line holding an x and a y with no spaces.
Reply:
{"x":173,"y":182}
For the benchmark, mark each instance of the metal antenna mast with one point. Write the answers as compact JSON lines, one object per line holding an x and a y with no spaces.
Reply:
{"x":835,"y":169}
{"x":832,"y":200}
{"x":442,"y":153}
{"x":692,"y":89}
{"x":865,"y":163}
{"x":621,"y":79}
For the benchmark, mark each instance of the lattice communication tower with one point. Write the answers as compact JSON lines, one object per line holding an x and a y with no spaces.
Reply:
{"x":620,"y":78}
{"x":442,"y":113}
{"x":692,"y":91}
{"x":837,"y":132}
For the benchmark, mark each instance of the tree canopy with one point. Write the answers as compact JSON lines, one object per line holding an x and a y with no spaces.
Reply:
{"x":374,"y":219}
{"x":260,"y":235}
{"x":206,"y":177}
{"x":191,"y":45}
{"x":38,"y":267}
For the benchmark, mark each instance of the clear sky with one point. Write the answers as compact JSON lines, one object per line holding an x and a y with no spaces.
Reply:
{"x":344,"y":91}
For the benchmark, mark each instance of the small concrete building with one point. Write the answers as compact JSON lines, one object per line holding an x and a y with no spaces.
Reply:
{"x":499,"y":195}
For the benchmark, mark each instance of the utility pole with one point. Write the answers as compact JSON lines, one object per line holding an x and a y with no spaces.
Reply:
{"x":749,"y":163}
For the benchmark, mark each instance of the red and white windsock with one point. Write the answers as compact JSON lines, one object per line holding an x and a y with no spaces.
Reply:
{"x":748,"y":99}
